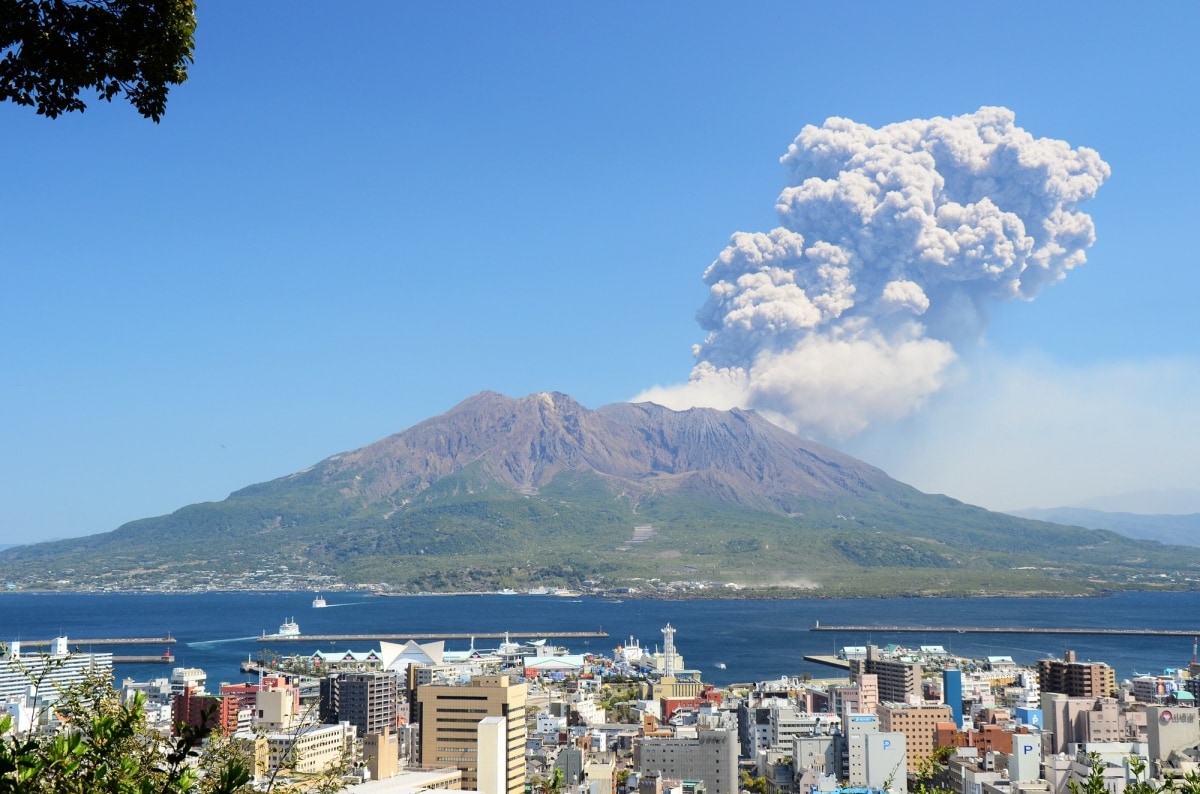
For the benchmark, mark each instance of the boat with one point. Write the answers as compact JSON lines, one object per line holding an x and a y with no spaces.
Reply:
{"x":319,"y":602}
{"x":288,"y":628}
{"x":539,"y":591}
{"x":508,"y":591}
{"x":720,"y":665}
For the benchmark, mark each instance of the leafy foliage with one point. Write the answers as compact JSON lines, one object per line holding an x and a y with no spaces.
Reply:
{"x":755,"y":785}
{"x":55,"y":49}
{"x":1095,"y":782}
{"x":107,"y":746}
{"x":930,"y":770}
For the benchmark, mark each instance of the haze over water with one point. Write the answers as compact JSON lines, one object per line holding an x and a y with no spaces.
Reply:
{"x":755,"y":640}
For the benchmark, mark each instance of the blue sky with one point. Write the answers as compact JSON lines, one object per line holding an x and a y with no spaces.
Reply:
{"x":353,"y":216}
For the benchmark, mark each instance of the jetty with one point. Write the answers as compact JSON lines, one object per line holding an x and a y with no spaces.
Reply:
{"x":478,"y":635}
{"x":103,"y":641}
{"x":1004,"y":630}
{"x":165,"y":658}
{"x":832,"y":661}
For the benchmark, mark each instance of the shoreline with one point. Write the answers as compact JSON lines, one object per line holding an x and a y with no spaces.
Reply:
{"x":713,"y":594}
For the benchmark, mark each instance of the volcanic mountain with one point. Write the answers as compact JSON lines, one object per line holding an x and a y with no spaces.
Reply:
{"x":502,"y":492}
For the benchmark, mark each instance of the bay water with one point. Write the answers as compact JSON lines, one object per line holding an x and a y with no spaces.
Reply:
{"x":727,"y":640}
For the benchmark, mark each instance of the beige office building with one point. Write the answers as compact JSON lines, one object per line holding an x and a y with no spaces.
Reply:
{"x":449,"y":716}
{"x":918,"y":724}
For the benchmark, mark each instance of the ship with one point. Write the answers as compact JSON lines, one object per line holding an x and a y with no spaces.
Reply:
{"x":319,"y":602}
{"x":288,"y":628}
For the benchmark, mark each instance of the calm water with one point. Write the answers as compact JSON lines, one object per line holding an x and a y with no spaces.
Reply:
{"x":755,"y":640}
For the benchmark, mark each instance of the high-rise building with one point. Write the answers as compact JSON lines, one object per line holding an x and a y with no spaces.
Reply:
{"x":1076,"y":679}
{"x":369,"y":701}
{"x":898,"y":680}
{"x":918,"y":723}
{"x":952,"y":693}
{"x":710,"y":757}
{"x":216,"y":712}
{"x":450,"y":715}
{"x":23,"y":673}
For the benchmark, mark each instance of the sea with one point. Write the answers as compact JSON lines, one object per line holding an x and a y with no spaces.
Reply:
{"x":727,"y":640}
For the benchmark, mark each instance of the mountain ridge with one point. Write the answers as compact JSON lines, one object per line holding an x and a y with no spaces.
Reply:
{"x":499,"y":491}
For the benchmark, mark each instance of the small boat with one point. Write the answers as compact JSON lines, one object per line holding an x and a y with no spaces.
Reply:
{"x":720,"y":665}
{"x":508,"y":591}
{"x":319,"y":602}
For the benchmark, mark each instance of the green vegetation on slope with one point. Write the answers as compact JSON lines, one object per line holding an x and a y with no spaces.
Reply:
{"x":468,"y":532}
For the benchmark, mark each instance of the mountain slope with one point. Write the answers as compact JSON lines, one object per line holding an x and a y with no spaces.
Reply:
{"x":1180,"y":529}
{"x":503,"y":492}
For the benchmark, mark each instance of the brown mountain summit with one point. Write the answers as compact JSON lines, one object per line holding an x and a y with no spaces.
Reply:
{"x":525,"y":443}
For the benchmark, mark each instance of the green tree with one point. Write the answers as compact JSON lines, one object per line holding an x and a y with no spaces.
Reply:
{"x":108,"y":747}
{"x":925,"y":779}
{"x":756,"y":785}
{"x":54,"y":49}
{"x":549,"y":785}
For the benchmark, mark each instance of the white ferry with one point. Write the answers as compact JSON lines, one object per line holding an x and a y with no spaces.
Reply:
{"x":289,"y":628}
{"x":319,"y":602}
{"x":630,"y":653}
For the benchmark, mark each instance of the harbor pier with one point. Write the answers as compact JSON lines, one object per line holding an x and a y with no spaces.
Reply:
{"x":165,"y":658}
{"x":1012,"y":630}
{"x":167,"y":640}
{"x":480,"y":635}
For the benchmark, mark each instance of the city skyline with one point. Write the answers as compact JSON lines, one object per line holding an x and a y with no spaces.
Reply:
{"x":346,"y":224}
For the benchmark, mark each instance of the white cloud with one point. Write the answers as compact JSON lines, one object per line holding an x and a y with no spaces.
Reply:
{"x":815,"y":323}
{"x":1032,"y":433}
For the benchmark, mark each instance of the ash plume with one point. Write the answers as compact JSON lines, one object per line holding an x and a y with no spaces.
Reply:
{"x":892,"y":243}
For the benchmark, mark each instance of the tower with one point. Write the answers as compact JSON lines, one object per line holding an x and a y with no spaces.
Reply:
{"x":668,"y":651}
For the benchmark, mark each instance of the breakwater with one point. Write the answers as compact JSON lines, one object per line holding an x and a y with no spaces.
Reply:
{"x":76,"y":643}
{"x":462,"y":635}
{"x":1009,"y":630}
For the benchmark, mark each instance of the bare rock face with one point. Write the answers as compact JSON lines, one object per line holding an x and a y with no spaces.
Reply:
{"x":735,"y":456}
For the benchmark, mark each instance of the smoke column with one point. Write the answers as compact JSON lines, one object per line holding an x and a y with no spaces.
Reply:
{"x":891,"y":245}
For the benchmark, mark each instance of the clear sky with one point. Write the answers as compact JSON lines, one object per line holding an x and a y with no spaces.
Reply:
{"x":355,"y":215}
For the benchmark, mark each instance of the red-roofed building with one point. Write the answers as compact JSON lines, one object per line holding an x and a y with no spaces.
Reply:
{"x":219,"y":712}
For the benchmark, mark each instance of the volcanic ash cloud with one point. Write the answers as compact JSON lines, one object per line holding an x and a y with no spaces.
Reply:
{"x":892,"y":242}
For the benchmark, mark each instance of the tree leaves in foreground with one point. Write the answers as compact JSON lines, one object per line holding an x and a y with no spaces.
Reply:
{"x":108,"y":747}
{"x":54,"y":49}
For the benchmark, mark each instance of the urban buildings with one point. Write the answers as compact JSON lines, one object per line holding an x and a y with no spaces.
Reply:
{"x":450,"y":717}
{"x":370,"y":701}
{"x":709,"y":755}
{"x":898,"y":680}
{"x":1072,"y":678}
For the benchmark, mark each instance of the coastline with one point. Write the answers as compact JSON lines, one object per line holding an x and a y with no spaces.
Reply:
{"x":705,"y":594}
